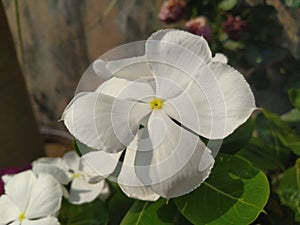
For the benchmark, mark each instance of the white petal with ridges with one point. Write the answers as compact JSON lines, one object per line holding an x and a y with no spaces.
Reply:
{"x":185,"y":40}
{"x":103,"y":122}
{"x":220,"y":98}
{"x":72,"y":160}
{"x":19,"y":188}
{"x":102,"y":163}
{"x":83,"y":192}
{"x":129,"y":68}
{"x":45,"y":197}
{"x":54,"y":166}
{"x":9,"y":210}
{"x":128,"y":180}
{"x":129,"y":90}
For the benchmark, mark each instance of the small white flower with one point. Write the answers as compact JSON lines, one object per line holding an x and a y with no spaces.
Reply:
{"x":69,"y":169}
{"x":30,"y":200}
{"x":153,"y":108}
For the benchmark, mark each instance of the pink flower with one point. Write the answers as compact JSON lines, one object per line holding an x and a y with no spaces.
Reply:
{"x":11,"y":170}
{"x":234,"y":27}
{"x":199,"y":26}
{"x":172,"y":11}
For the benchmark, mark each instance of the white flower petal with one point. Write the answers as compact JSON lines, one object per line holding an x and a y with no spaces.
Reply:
{"x":43,"y":221}
{"x":129,"y":90}
{"x":54,"y":166}
{"x":219,"y":57}
{"x":19,"y":188}
{"x":189,"y":177}
{"x":6,"y":178}
{"x":72,"y":160}
{"x":45,"y":197}
{"x":144,"y":193}
{"x":130,"y":68}
{"x":220,"y":98}
{"x":194,"y":43}
{"x":128,"y":180}
{"x":102,"y":163}
{"x":9,"y":210}
{"x":105,"y":193}
{"x":175,"y":56}
{"x":182,"y":152}
{"x":83,"y":192}
{"x":103,"y":122}
{"x":172,"y":148}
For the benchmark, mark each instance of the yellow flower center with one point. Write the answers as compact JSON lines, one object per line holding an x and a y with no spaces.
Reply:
{"x":22,"y":217}
{"x":75,"y":175}
{"x":156,"y":103}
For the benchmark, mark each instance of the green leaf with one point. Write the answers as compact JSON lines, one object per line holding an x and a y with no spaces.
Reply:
{"x":290,"y":140}
{"x":81,"y":148}
{"x":226,"y":5}
{"x":118,"y":205}
{"x":292,"y":116}
{"x":292,"y":3}
{"x":233,"y":45}
{"x":261,"y":155}
{"x":294,"y":95}
{"x":289,"y":189}
{"x":94,"y":213}
{"x":239,"y":138}
{"x":148,"y":213}
{"x":235,"y":193}
{"x":271,"y":129}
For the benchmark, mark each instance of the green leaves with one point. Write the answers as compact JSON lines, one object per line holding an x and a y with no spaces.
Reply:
{"x":235,"y":193}
{"x":94,"y":213}
{"x":289,"y":189}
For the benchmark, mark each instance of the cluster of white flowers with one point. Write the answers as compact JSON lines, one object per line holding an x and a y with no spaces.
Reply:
{"x":34,"y":196}
{"x":30,"y":199}
{"x":144,"y":123}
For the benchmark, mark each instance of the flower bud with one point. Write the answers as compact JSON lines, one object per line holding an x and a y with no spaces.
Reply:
{"x":199,"y":26}
{"x":234,"y":27}
{"x":172,"y":11}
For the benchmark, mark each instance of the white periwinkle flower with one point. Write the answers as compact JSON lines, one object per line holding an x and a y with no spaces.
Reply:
{"x":30,"y":200}
{"x":70,"y":169}
{"x":152,"y":108}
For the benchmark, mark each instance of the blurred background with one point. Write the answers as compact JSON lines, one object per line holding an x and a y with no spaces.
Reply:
{"x":47,"y":45}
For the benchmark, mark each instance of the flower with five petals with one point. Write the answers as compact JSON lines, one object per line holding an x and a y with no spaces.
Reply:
{"x":146,"y":118}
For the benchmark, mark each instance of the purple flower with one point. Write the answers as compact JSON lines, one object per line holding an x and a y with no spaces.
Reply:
{"x":234,"y":26}
{"x":11,"y":170}
{"x":172,"y":11}
{"x":199,"y":26}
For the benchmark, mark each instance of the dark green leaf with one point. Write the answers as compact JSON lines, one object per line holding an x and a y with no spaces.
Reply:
{"x":118,"y":205}
{"x":148,"y":213}
{"x":94,"y":213}
{"x":261,"y":155}
{"x":294,"y":95}
{"x":235,"y":193}
{"x":290,"y":140}
{"x":289,"y":189}
{"x":238,"y":139}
